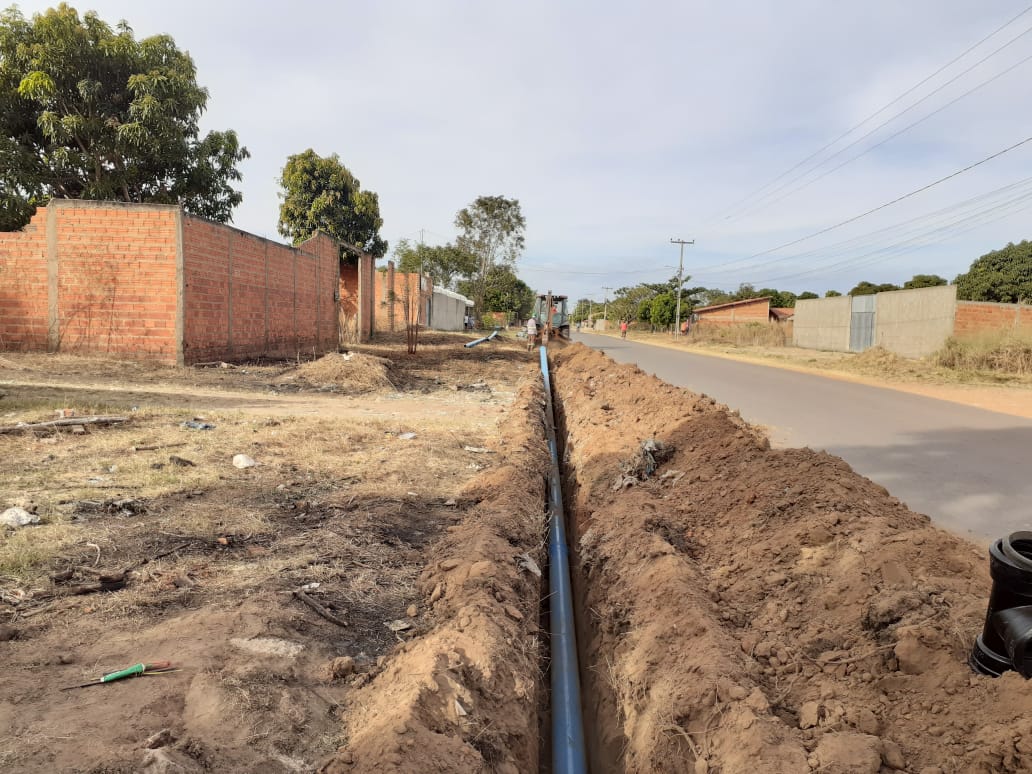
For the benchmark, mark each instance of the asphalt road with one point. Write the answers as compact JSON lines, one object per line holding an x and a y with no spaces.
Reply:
{"x":969,"y":469}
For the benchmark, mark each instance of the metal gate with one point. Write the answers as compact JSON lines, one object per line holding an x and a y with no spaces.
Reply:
{"x":861,"y":323}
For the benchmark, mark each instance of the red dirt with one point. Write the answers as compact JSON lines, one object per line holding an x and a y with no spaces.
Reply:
{"x":755,"y":610}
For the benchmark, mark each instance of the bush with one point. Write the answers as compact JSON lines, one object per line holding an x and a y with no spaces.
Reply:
{"x":1005,"y":351}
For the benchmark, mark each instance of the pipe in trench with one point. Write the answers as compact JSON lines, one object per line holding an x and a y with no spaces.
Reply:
{"x":568,"y":751}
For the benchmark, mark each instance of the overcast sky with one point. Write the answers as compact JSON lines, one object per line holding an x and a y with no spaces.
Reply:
{"x":619,"y":126}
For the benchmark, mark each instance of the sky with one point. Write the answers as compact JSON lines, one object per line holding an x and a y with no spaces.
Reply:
{"x":619,"y":126}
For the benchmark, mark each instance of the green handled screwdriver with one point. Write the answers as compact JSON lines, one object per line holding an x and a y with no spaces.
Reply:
{"x":136,"y":670}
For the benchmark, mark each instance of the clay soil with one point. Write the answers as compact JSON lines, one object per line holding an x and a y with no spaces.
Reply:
{"x":408,"y":509}
{"x":744,"y":609}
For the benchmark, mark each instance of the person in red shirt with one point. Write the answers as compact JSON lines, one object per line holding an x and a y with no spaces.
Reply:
{"x":623,"y":329}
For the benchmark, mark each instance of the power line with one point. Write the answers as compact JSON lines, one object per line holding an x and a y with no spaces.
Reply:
{"x":881,"y":110}
{"x":864,"y":240}
{"x":893,"y":136}
{"x":881,"y":206}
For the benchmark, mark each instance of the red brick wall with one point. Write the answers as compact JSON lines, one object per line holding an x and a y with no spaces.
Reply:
{"x":756,"y":311}
{"x":116,"y":279}
{"x":391,"y":317}
{"x":23,"y":286}
{"x":245,"y":296}
{"x":977,"y":316}
{"x":110,"y":268}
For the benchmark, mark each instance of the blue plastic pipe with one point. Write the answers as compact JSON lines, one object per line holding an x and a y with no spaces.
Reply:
{"x":568,"y":754}
{"x":469,"y":344}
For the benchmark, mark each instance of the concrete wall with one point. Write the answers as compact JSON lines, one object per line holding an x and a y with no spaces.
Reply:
{"x":448,"y":311}
{"x":822,"y":323}
{"x":974,"y":317}
{"x":915,"y":323}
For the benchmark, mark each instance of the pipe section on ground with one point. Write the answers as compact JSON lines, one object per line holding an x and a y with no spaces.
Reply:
{"x":568,"y":752}
{"x":469,"y":344}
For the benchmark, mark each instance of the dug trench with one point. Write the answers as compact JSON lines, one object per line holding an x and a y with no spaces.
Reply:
{"x":744,"y":609}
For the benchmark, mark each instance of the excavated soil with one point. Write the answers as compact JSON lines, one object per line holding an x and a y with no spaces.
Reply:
{"x":750,"y":610}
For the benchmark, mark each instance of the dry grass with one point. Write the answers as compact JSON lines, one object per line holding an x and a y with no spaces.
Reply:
{"x":351,"y":372}
{"x":745,"y":335}
{"x":1008,"y":352}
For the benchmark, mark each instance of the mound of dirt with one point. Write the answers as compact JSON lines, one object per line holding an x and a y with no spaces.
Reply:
{"x":464,"y":697}
{"x":348,"y":372}
{"x":759,"y":610}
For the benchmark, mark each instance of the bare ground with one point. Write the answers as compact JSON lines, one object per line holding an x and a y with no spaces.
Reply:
{"x":354,"y":498}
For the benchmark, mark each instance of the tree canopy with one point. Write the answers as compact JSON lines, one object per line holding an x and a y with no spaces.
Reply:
{"x":444,"y":263}
{"x":1004,"y":276}
{"x":866,"y":288}
{"x":925,"y":281}
{"x":492,"y":230}
{"x":832,"y":294}
{"x":89,"y":112}
{"x":505,"y":292}
{"x":321,"y":194}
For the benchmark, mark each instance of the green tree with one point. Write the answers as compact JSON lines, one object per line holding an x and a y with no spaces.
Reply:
{"x":662,"y":310}
{"x":807,"y":295}
{"x":780,"y":298}
{"x":866,"y":288}
{"x":832,"y":294}
{"x":491,"y":229}
{"x":321,"y":194}
{"x":444,"y":263}
{"x":89,"y":112}
{"x":1004,"y":276}
{"x":924,"y":281}
{"x":504,"y":292}
{"x":584,"y":308}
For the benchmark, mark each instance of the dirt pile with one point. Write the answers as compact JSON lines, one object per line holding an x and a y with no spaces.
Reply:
{"x":766,"y":610}
{"x":346,"y":372}
{"x":464,"y":697}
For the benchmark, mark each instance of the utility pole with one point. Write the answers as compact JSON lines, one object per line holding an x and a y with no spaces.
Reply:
{"x":680,"y":272}
{"x":605,"y":302}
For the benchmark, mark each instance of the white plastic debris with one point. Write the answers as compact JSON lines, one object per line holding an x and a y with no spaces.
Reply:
{"x":18,"y":517}
{"x":243,"y":461}
{"x":406,"y":436}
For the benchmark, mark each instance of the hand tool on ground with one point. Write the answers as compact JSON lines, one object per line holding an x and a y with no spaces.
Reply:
{"x":136,"y":670}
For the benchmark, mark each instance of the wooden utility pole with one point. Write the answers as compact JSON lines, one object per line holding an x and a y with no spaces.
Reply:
{"x":680,"y":272}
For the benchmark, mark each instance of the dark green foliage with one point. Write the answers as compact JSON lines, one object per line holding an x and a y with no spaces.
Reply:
{"x":504,"y":292}
{"x":321,"y":194}
{"x":806,"y":295}
{"x":925,"y":281}
{"x":866,"y":288}
{"x":89,"y":112}
{"x":444,"y":263}
{"x":1004,"y":276}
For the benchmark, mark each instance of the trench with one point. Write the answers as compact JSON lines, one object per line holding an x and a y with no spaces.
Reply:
{"x":600,"y":709}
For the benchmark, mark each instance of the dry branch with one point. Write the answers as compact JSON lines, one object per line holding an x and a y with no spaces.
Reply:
{"x":23,"y":427}
{"x":319,"y":608}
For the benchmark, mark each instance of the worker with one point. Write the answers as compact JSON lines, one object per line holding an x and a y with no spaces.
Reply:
{"x":623,"y":329}
{"x":532,"y":331}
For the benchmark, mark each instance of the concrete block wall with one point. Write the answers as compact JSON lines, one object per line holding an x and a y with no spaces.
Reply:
{"x":974,"y":317}
{"x":822,"y":323}
{"x":915,"y":323}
